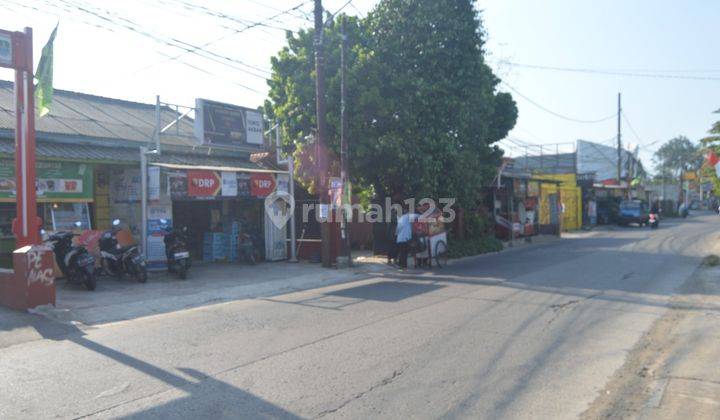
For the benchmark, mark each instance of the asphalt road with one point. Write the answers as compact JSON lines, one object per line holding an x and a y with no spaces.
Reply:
{"x":534,"y":332}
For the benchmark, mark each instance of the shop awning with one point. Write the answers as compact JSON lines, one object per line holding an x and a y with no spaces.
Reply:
{"x":177,"y":166}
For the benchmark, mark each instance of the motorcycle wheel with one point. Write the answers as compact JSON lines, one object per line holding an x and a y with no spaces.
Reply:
{"x":141,"y":274}
{"x":182,"y":270}
{"x":88,"y":279}
{"x":106,"y":268}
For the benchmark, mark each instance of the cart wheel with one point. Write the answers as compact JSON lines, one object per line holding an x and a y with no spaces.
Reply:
{"x":441,"y":254}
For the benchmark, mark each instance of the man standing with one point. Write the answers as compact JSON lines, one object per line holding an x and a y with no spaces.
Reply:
{"x":404,"y":234}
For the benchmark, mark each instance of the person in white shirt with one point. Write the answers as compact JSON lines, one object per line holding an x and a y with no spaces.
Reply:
{"x":404,"y":234}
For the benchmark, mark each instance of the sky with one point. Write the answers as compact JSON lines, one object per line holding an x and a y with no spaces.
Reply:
{"x":669,"y":69}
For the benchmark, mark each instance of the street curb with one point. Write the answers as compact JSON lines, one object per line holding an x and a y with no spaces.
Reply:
{"x":95,"y":316}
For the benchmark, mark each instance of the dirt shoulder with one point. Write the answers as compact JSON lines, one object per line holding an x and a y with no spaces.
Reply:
{"x":674,"y":370}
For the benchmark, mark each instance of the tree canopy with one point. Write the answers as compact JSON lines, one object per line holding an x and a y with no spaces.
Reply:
{"x":423,"y":106}
{"x":677,"y":155}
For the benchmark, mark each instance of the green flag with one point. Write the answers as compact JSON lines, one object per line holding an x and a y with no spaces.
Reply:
{"x":44,"y":76}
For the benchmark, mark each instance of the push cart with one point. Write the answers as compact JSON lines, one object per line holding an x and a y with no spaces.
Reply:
{"x":432,"y":240}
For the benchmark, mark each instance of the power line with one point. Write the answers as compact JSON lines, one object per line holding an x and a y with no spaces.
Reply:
{"x":127,"y":24}
{"x":237,"y":31}
{"x":610,"y":72}
{"x":632,"y":130}
{"x":564,"y":117}
{"x":342,"y":7}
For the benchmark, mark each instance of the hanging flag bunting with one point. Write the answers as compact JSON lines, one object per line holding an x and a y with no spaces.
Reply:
{"x":44,"y":76}
{"x":711,"y":159}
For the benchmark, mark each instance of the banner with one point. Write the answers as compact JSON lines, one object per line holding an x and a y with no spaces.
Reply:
{"x":44,"y":76}
{"x":156,"y":256}
{"x":229,"y":184}
{"x":154,"y":183}
{"x":203,"y":183}
{"x":125,"y":185}
{"x":56,"y":181}
{"x":261,"y":185}
{"x":206,"y":184}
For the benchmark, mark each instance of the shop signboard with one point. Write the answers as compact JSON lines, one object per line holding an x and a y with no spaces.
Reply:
{"x":125,"y":185}
{"x":154,"y":183}
{"x":177,"y":185}
{"x":202,"y":183}
{"x":56,"y":181}
{"x":207,"y":184}
{"x":283,"y":183}
{"x":156,"y":234}
{"x":533,"y":189}
{"x":229,"y":184}
{"x":6,"y":49}
{"x":243,"y":181}
{"x":335,"y":192}
{"x":218,"y":123}
{"x":261,"y":185}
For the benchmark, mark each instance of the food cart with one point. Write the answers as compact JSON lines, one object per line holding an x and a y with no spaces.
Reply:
{"x":432,"y":240}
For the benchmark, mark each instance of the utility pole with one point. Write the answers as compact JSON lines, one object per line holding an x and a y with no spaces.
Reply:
{"x":619,"y":141}
{"x":346,"y":212}
{"x":321,"y":140}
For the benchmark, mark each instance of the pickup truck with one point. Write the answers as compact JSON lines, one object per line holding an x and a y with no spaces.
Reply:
{"x":633,"y":211}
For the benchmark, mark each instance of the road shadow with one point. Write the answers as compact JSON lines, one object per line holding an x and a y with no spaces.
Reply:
{"x":18,"y":327}
{"x":385,"y":291}
{"x":206,"y":396}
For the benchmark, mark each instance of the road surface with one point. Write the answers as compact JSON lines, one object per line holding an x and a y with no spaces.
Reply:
{"x":534,"y":332}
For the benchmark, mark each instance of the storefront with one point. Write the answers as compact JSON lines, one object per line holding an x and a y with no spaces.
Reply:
{"x":64,"y":196}
{"x":525,"y":205}
{"x":218,"y":205}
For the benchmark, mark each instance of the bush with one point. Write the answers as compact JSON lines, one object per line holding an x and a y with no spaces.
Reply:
{"x":711,"y":261}
{"x":477,"y":226}
{"x":474,"y":246}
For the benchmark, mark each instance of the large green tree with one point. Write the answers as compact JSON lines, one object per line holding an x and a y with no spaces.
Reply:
{"x":424,"y":107}
{"x":677,"y":155}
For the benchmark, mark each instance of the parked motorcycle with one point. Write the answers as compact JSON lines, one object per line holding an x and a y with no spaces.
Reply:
{"x":653,"y":221}
{"x":247,"y":249}
{"x":76,"y":264}
{"x":118,"y":260}
{"x":176,"y":249}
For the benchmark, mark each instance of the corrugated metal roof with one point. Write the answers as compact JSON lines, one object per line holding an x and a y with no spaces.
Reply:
{"x":131,"y":156}
{"x":78,"y":152}
{"x":97,"y":117}
{"x":83,"y":127}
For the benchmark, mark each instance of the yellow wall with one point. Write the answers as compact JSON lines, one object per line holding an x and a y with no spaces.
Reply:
{"x":570,"y":196}
{"x":102,"y":200}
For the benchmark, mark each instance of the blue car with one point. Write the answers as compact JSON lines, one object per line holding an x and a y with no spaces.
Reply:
{"x":633,"y":211}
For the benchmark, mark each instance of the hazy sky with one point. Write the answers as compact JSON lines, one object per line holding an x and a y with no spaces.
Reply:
{"x":668,"y":40}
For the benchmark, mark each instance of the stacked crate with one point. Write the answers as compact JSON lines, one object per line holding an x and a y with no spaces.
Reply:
{"x":215,"y":246}
{"x":233,"y":242}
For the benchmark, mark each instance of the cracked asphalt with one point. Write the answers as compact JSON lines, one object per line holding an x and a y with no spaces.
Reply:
{"x":534,"y":332}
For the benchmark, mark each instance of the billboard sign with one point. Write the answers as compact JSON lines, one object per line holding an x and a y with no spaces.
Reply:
{"x":6,"y":49}
{"x":222,"y":124}
{"x":56,"y":181}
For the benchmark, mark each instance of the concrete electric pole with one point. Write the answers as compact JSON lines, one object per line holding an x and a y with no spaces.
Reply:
{"x":346,"y":212}
{"x":619,"y":142}
{"x":321,"y":140}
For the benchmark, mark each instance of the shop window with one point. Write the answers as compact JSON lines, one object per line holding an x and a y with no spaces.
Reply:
{"x":65,"y":215}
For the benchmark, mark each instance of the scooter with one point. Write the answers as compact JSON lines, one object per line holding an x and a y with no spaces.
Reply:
{"x":247,"y":249}
{"x":76,"y":264}
{"x":176,"y":250}
{"x":119,"y":260}
{"x":653,"y":221}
